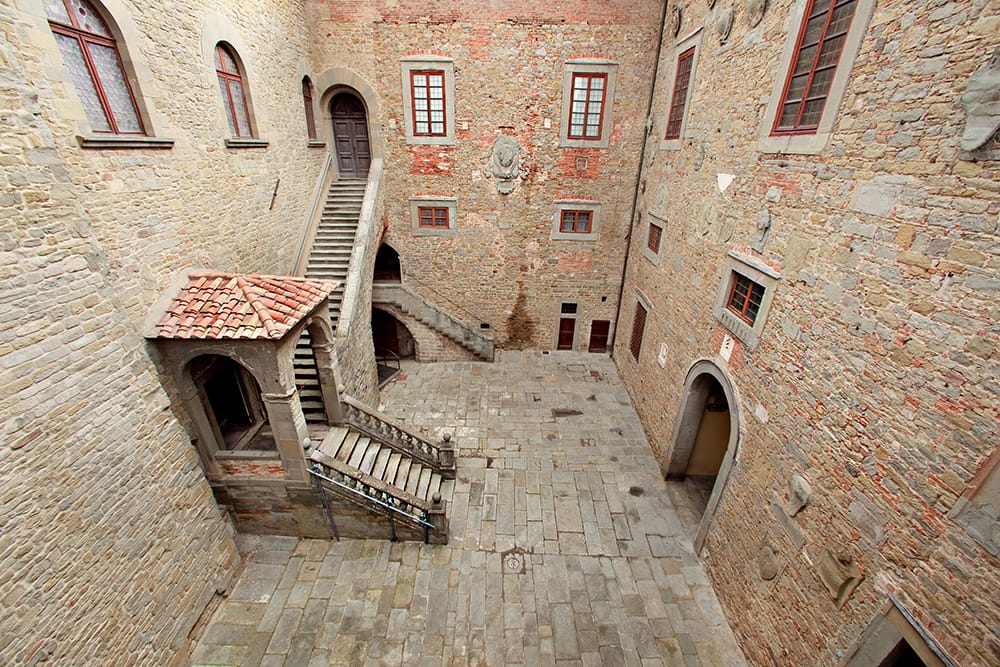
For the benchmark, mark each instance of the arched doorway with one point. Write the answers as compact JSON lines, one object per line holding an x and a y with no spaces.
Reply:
{"x":231,"y":398}
{"x":350,"y":135}
{"x":706,"y":435}
{"x":393,"y":342}
{"x":387,"y":265}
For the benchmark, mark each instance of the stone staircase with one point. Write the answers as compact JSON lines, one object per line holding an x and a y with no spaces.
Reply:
{"x":433,"y":316}
{"x":329,"y":258}
{"x":381,"y":467}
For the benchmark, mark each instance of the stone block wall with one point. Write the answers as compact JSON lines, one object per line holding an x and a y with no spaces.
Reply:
{"x":509,"y":70}
{"x":875,"y":374}
{"x":430,"y":345}
{"x":198,"y":203}
{"x":111,"y":545}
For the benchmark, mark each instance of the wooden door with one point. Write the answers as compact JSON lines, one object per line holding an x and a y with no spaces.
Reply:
{"x":599,"y":336}
{"x":567,"y":327}
{"x":350,"y":136}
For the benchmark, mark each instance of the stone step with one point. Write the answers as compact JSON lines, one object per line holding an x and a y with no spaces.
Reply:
{"x":402,"y":471}
{"x":360,"y":447}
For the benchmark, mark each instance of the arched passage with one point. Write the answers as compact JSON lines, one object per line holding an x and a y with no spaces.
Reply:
{"x":392,"y":341}
{"x":387,"y":268}
{"x":231,"y":399}
{"x":350,"y":135}
{"x":706,"y":437}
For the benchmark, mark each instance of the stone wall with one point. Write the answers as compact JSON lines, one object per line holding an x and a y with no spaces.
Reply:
{"x":875,"y":374}
{"x":111,"y":544}
{"x":509,"y":69}
{"x":198,"y":203}
{"x":431,"y":345}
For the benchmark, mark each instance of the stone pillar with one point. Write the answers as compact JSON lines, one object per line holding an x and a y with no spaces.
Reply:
{"x":437,"y":516}
{"x":206,"y":442}
{"x":328,"y":385}
{"x":447,"y":456}
{"x":284,"y":413}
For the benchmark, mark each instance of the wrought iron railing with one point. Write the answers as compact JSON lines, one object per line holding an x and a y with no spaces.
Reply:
{"x":371,"y":492}
{"x":360,"y":417}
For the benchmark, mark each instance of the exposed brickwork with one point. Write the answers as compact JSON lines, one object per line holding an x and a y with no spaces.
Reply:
{"x":872,"y":379}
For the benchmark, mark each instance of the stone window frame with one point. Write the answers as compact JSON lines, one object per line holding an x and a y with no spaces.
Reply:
{"x":585,"y":67}
{"x":685,"y":44}
{"x":218,"y":29}
{"x":894,"y":624}
{"x":417,"y":203}
{"x":812,"y":142}
{"x":757,"y":272}
{"x":594,"y":207}
{"x":647,"y":252}
{"x":145,"y":90}
{"x":637,"y":336}
{"x":412,"y":64}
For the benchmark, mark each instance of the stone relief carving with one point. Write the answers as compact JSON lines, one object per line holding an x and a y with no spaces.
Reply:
{"x":981,"y":102}
{"x":724,"y":24}
{"x":726,"y":229}
{"x":763,"y":231}
{"x":676,"y":15}
{"x":707,"y":216}
{"x":507,"y":163}
{"x":839,"y":572}
{"x":755,"y":11}
{"x":769,"y":560}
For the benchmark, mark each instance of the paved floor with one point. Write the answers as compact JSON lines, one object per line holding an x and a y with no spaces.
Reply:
{"x":566,"y":546}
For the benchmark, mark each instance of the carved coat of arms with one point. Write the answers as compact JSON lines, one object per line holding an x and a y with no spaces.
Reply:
{"x":506,"y":163}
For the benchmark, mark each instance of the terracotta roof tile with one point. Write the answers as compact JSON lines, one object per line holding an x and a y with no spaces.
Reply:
{"x":240,"y":306}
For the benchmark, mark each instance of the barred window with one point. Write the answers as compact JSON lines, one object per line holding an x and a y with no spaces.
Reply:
{"x":432,"y":217}
{"x":745,"y":298}
{"x":638,"y":328}
{"x":575,"y":222}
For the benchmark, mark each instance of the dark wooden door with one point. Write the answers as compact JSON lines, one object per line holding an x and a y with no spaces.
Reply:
{"x":384,"y":334}
{"x":567,"y":327}
{"x":599,"y":336}
{"x":350,"y":136}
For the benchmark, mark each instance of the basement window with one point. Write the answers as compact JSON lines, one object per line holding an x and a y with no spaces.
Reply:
{"x":433,"y":216}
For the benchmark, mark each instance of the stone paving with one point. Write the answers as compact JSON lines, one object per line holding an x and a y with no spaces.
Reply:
{"x":566,"y":546}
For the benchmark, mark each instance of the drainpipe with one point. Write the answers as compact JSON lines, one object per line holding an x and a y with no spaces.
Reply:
{"x":638,"y":176}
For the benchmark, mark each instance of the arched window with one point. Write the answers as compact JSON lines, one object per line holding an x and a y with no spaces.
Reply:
{"x":233,"y":87}
{"x":307,"y":99}
{"x":91,"y":54}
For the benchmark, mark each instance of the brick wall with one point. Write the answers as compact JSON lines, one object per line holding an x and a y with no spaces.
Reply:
{"x":873,"y":376}
{"x":111,"y":544}
{"x":508,"y":78}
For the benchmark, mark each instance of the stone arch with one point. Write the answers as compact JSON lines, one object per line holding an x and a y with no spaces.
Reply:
{"x":229,"y":413}
{"x":319,"y":333}
{"x":411,"y":346}
{"x":697,"y":384}
{"x":387,"y":264}
{"x":336,"y":80}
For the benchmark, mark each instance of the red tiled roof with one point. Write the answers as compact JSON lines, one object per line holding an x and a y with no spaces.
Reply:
{"x":240,"y":307}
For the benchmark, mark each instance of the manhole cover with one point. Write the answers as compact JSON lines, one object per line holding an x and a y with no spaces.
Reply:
{"x":513,"y":563}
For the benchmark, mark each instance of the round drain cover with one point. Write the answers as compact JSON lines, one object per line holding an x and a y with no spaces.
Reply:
{"x":513,"y":563}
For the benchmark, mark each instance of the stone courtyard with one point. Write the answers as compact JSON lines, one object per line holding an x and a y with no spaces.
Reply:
{"x":566,"y":546}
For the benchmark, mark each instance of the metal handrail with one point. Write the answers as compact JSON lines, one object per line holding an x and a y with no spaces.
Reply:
{"x":386,"y":355}
{"x":421,"y":520}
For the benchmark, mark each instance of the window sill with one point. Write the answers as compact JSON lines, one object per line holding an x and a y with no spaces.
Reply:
{"x":421,"y":140}
{"x":428,"y":231}
{"x":565,"y":142}
{"x":316,"y":144}
{"x":574,"y":236}
{"x":794,"y":144}
{"x":116,"y":142}
{"x":246,"y":143}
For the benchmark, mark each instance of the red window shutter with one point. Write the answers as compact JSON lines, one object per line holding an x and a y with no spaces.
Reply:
{"x":638,"y":328}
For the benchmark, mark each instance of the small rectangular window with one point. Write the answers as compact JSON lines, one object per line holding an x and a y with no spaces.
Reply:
{"x":575,"y":222}
{"x":432,"y":217}
{"x":817,"y":54}
{"x":679,"y":101}
{"x":653,"y":237}
{"x":638,"y":328}
{"x":745,"y":298}
{"x":428,"y":99}
{"x":569,"y":308}
{"x":586,"y":115}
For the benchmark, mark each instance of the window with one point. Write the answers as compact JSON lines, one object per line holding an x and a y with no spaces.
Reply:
{"x":233,"y":91}
{"x":588,"y":96}
{"x":638,"y":328}
{"x":428,"y":100}
{"x":427,"y":92}
{"x":587,"y":112}
{"x":576,"y":220}
{"x":678,"y":102}
{"x":824,"y":38}
{"x":432,"y":216}
{"x":745,"y":296}
{"x":92,"y":57}
{"x":307,"y":100}
{"x":821,"y":40}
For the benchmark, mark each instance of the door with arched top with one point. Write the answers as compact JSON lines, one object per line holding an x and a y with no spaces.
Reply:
{"x":350,"y":136}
